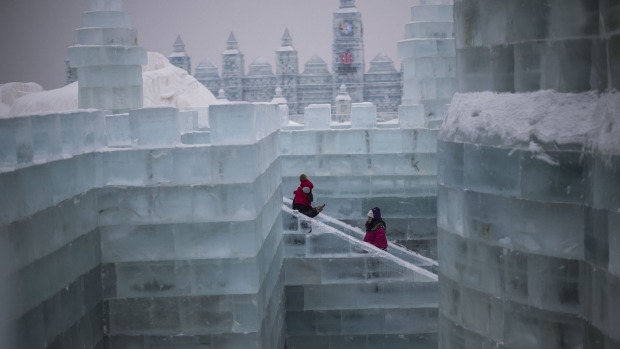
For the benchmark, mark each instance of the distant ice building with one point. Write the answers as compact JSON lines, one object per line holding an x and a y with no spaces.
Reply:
{"x":179,"y":58}
{"x":381,"y":84}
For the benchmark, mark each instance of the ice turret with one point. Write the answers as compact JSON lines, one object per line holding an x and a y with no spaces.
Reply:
{"x":108,"y":60}
{"x":179,"y":57}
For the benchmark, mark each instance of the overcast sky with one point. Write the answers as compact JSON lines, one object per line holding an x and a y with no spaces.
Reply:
{"x":35,"y":34}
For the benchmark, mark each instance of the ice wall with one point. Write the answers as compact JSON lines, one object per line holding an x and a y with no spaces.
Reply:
{"x":528,"y":181}
{"x":51,"y":273}
{"x":429,"y":63}
{"x":519,"y":46}
{"x":107,"y":59}
{"x":149,"y":241}
{"x":362,"y":164}
{"x":191,"y":235}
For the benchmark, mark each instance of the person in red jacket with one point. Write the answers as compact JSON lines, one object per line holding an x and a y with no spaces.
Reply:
{"x":375,"y":229}
{"x":303,"y":198}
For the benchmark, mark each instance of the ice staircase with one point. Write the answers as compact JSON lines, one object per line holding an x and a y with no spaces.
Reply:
{"x":344,"y":293}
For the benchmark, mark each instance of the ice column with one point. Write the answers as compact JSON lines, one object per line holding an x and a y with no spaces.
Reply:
{"x":528,"y":202}
{"x":429,"y":64}
{"x":108,"y":59}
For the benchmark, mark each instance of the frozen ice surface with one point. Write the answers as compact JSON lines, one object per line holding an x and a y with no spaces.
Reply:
{"x":233,"y":123}
{"x":106,"y":5}
{"x":106,"y":19}
{"x":188,"y":121}
{"x":317,"y":116}
{"x":100,"y":56}
{"x":106,"y":36}
{"x":411,"y":116}
{"x":154,"y":127}
{"x":432,"y":13}
{"x":118,"y":130}
{"x":46,"y":138}
{"x":363,"y":115}
{"x":16,"y":147}
{"x":125,"y":167}
{"x":491,"y":170}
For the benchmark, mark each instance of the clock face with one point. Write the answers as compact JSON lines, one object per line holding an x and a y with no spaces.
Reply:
{"x":346,"y":28}
{"x":346,"y":58}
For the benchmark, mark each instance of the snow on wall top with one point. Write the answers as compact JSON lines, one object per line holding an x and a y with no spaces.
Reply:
{"x":514,"y":120}
{"x":163,"y":85}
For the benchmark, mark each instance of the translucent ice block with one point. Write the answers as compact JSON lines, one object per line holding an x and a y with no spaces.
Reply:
{"x":46,"y":139}
{"x":411,"y":116}
{"x":106,"y":36}
{"x":154,"y":127}
{"x":363,"y":115}
{"x":118,"y":131}
{"x":432,"y":13}
{"x":317,"y":117}
{"x":233,"y":123}
{"x":71,"y":133}
{"x":109,"y":19}
{"x":16,"y":147}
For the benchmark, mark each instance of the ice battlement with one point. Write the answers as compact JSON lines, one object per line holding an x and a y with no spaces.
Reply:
{"x":35,"y":139}
{"x":67,"y":154}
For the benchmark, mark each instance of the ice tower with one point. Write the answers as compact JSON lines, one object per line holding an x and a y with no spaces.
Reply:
{"x":429,"y":63}
{"x":179,"y":57}
{"x":107,"y":58}
{"x":529,"y":189}
{"x":348,"y":51}
{"x":233,"y":67}
{"x":287,"y":70}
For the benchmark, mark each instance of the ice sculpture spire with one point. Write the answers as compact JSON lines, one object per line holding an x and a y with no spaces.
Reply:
{"x":233,"y":67}
{"x":179,"y":58}
{"x":287,"y":41}
{"x":231,"y":43}
{"x":108,"y":60}
{"x":179,"y":45}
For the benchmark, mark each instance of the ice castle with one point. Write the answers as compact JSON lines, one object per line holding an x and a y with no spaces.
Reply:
{"x":380,"y":84}
{"x":130,"y":227}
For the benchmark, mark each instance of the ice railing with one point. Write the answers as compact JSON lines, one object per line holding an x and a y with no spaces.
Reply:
{"x":351,"y":244}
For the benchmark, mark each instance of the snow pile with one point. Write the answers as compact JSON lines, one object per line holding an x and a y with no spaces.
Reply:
{"x":44,"y":102}
{"x":545,"y":117}
{"x":167,"y":85}
{"x":11,"y":92}
{"x":163,"y":85}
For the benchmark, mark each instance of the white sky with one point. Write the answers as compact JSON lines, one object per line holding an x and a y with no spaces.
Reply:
{"x":35,"y":34}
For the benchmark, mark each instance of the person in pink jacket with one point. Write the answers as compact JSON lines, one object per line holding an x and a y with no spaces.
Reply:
{"x":375,"y":229}
{"x":302,"y":201}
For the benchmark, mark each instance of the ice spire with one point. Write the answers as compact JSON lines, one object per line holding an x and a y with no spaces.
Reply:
{"x":286,"y":39}
{"x":231,"y":43}
{"x":179,"y":45}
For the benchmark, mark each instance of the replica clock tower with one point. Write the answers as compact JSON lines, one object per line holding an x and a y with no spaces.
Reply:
{"x":348,"y":51}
